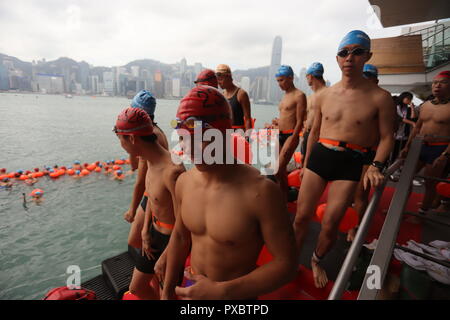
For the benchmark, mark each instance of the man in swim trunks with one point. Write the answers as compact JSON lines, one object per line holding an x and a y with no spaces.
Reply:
{"x":434,"y":126}
{"x":135,"y":131}
{"x":223,"y":222}
{"x":292,"y":113}
{"x":208,"y":78}
{"x":361,"y":200}
{"x":349,"y":117}
{"x":314,"y":77}
{"x":237,"y":97}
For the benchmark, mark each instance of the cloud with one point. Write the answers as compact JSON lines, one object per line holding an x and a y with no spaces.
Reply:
{"x":239,"y":33}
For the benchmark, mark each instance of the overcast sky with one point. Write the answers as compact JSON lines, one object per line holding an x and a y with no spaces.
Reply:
{"x":237,"y":32}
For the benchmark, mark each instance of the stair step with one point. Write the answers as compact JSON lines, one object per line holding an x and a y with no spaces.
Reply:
{"x":99,"y":286}
{"x":117,"y":272}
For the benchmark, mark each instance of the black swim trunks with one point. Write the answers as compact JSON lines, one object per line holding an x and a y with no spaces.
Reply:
{"x":304,"y":143}
{"x":429,"y":153}
{"x":144,"y":202}
{"x":334,"y":165}
{"x":282,"y":137}
{"x":159,"y":243}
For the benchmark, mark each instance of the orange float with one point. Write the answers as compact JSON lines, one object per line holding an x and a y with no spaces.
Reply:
{"x":39,"y":174}
{"x":298,"y":157}
{"x":85,"y":172}
{"x":91,"y":167}
{"x":120,"y":162}
{"x":23,"y":177}
{"x":294,"y":178}
{"x":54,"y":175}
{"x":11,"y":175}
{"x":349,"y":221}
{"x":116,"y":167}
{"x":98,"y":169}
{"x":443,"y":189}
{"x":3,"y":176}
{"x":70,"y":172}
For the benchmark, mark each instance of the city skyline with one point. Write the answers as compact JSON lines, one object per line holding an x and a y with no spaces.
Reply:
{"x":239,"y":34}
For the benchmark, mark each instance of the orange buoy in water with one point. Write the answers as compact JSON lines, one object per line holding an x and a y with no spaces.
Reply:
{"x":349,"y":221}
{"x":91,"y":167}
{"x":3,"y":176}
{"x":119,"y":161}
{"x":70,"y":172}
{"x":61,"y":172}
{"x":241,"y":148}
{"x":116,"y":167}
{"x":127,"y":161}
{"x":39,"y":174}
{"x":443,"y":189}
{"x":23,"y":177}
{"x":98,"y":169}
{"x":11,"y":175}
{"x":54,"y":175}
{"x":298,"y":157}
{"x":85,"y":172}
{"x":294,"y":178}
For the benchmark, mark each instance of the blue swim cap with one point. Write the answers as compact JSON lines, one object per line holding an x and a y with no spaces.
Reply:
{"x":38,"y":192}
{"x":284,"y":71}
{"x":144,"y":100}
{"x":69,"y":167}
{"x":356,"y":37}
{"x":19,"y":171}
{"x":315,"y":69}
{"x":51,"y":170}
{"x":77,"y":172}
{"x":119,"y":171}
{"x":370,"y":70}
{"x":76,"y":162}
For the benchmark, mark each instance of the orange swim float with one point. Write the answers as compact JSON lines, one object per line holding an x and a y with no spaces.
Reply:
{"x":349,"y":221}
{"x":85,"y":172}
{"x":294,"y":178}
{"x":36,"y":191}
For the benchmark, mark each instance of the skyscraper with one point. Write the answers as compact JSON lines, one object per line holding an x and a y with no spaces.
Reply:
{"x":273,"y":91}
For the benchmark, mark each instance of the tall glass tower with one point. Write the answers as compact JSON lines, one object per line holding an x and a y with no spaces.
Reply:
{"x":273,"y":91}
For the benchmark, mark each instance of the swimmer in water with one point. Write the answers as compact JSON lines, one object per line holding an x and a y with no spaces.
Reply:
{"x":222,"y":222}
{"x":341,"y":137}
{"x":6,"y":183}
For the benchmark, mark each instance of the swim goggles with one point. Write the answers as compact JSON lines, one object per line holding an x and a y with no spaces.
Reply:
{"x":194,"y":122}
{"x":356,"y":52}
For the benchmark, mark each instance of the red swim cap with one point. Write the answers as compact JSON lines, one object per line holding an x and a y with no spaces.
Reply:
{"x":133,"y":121}
{"x":207,"y":77}
{"x":443,"y":74}
{"x":207,"y":104}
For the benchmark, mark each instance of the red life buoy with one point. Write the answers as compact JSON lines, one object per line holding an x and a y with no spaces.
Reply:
{"x":64,"y":293}
{"x":349,"y":221}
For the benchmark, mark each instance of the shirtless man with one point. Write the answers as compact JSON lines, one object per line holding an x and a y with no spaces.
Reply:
{"x":361,"y":200}
{"x":135,"y":214}
{"x":347,"y":128}
{"x":225,"y":222}
{"x":314,"y":77}
{"x":292,"y":113}
{"x":134,"y":129}
{"x":434,"y":121}
{"x":237,"y":97}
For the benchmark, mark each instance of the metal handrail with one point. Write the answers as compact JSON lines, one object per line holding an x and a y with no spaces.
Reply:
{"x":382,"y":255}
{"x":357,"y":244}
{"x":427,"y":28}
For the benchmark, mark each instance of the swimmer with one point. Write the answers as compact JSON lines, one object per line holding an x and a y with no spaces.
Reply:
{"x":342,"y":134}
{"x":6,"y":183}
{"x":118,"y":175}
{"x":314,"y":77}
{"x":292,"y":113}
{"x":434,"y":121}
{"x":134,"y":128}
{"x":237,"y":97}
{"x":361,"y":200}
{"x":208,"y":78}
{"x":77,"y":165}
{"x":31,"y":181}
{"x":77,"y":174}
{"x":221,"y":221}
{"x":135,"y":214}
{"x":37,"y":197}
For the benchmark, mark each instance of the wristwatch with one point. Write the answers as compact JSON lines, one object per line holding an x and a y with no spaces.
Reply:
{"x":377,"y":164}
